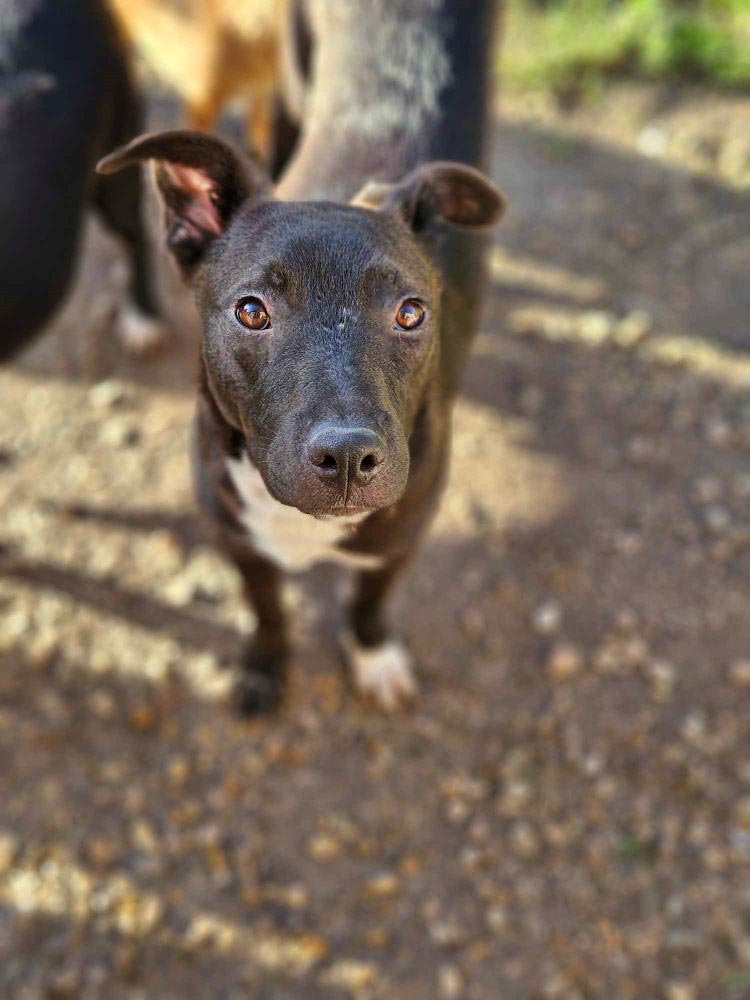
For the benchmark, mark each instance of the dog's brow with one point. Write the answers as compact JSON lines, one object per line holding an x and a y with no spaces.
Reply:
{"x":383,"y":272}
{"x":274,"y":277}
{"x":271,"y":277}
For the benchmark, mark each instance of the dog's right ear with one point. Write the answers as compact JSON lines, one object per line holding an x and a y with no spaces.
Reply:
{"x":451,"y":192}
{"x":202,"y":183}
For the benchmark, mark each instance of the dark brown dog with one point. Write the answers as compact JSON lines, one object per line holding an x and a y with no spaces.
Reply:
{"x":65,"y":98}
{"x":334,"y":331}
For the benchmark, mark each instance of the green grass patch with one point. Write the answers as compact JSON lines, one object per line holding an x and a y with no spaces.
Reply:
{"x":737,"y":983}
{"x":572,"y":45}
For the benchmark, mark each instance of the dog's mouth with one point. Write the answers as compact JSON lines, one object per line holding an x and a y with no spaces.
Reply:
{"x":356,"y":514}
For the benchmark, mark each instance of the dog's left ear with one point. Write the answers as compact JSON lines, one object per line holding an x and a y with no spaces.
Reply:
{"x":454,"y":192}
{"x":202,"y":182}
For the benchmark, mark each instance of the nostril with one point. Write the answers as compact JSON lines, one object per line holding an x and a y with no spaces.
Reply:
{"x":324,"y":462}
{"x":368,"y":463}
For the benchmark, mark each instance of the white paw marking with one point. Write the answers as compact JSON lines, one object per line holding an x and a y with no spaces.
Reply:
{"x":140,"y":334}
{"x":383,"y":673}
{"x":290,"y":538}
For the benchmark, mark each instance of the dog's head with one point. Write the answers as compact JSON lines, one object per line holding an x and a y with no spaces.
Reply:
{"x":320,"y":320}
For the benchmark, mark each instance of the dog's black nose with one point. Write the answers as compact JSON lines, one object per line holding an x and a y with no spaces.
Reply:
{"x":346,"y":454}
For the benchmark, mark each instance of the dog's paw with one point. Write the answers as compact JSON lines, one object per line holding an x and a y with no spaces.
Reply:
{"x":382,"y":673}
{"x":256,"y":694}
{"x":260,"y":688}
{"x":140,"y":335}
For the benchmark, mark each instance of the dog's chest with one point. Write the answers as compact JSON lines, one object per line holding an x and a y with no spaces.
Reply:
{"x":289,"y":538}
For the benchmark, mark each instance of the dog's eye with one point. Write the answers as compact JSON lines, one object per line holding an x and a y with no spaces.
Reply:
{"x":252,"y":314}
{"x":410,"y":315}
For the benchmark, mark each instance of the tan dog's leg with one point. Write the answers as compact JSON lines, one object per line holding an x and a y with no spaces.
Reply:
{"x":203,"y":115}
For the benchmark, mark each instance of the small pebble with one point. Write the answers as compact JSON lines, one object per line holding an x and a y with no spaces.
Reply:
{"x":547,"y":618}
{"x":351,"y":975}
{"x":718,"y":432}
{"x":323,"y":847}
{"x":457,"y":811}
{"x":708,"y":489}
{"x":382,"y":886}
{"x":565,"y":661}
{"x":739,"y":672}
{"x":496,"y":918}
{"x":524,"y":840}
{"x":718,"y":518}
{"x":447,"y":933}
{"x":515,"y":798}
{"x":663,"y":676}
{"x":450,"y":982}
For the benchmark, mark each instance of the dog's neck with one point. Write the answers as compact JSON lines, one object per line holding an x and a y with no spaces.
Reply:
{"x":394,"y":83}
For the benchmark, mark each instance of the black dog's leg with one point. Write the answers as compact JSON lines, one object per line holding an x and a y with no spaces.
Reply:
{"x":380,"y":665}
{"x":261,"y":686}
{"x":119,"y":201}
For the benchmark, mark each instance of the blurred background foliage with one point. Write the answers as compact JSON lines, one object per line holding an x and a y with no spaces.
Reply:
{"x":571,"y":46}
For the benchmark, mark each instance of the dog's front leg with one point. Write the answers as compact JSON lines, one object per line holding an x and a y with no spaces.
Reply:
{"x":380,"y":664}
{"x":261,"y":685}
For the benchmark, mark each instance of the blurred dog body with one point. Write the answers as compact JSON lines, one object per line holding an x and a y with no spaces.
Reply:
{"x":211,"y":53}
{"x":65,"y":97}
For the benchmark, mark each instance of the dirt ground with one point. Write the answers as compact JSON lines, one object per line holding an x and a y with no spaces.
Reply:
{"x":566,"y":812}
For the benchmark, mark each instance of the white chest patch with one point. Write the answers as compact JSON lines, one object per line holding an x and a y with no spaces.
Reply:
{"x":293,"y":540}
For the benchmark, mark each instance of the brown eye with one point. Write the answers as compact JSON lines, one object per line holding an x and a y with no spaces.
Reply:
{"x":252,"y":314}
{"x":410,"y":315}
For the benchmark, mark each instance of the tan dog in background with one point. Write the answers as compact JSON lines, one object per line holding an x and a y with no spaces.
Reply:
{"x":212,"y":52}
